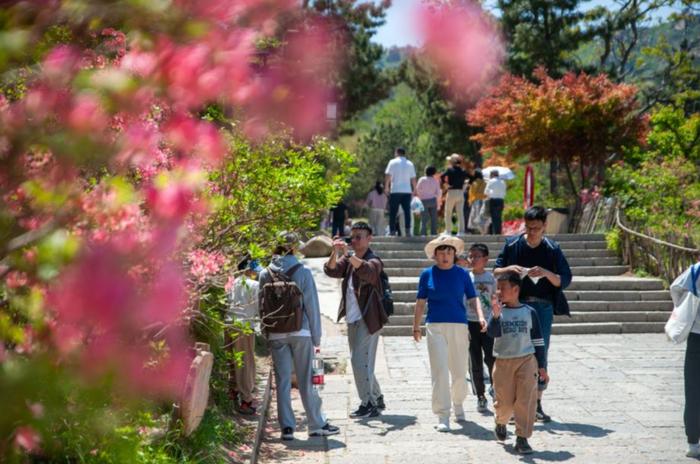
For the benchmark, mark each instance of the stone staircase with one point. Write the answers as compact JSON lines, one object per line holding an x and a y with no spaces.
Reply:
{"x":602,"y":299}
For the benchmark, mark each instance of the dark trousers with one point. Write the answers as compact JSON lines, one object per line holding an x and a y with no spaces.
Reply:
{"x":496,"y":209}
{"x":338,"y":227}
{"x":480,"y":342}
{"x":396,"y":200}
{"x":691,"y":416}
{"x":466,"y":210}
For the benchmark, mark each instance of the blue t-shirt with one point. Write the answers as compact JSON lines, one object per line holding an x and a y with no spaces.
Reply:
{"x":445,"y":291}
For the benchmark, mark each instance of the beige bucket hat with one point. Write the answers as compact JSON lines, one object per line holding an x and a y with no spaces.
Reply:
{"x":444,"y":240}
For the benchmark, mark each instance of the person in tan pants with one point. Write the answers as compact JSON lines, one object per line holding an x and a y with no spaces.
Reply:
{"x":243,"y":300}
{"x":519,"y":351}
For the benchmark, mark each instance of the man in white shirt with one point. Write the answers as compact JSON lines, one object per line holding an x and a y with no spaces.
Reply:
{"x":496,"y":193}
{"x":400,"y":182}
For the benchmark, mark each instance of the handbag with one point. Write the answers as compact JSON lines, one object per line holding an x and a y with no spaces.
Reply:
{"x":686,"y":302}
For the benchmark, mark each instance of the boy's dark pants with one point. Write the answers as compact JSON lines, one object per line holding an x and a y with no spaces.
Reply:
{"x":692,"y":388}
{"x":480,"y":342}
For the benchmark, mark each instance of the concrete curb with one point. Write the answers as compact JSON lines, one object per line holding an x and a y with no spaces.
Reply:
{"x":264,"y":407}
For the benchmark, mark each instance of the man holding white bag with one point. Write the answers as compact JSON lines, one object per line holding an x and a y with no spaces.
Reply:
{"x":685,"y":324}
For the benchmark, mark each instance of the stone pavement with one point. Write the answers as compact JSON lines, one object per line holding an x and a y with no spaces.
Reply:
{"x":613,"y":398}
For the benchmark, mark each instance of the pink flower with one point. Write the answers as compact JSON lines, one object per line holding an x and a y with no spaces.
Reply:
{"x":16,"y":279}
{"x":27,"y":439}
{"x":60,"y":62}
{"x":464,"y":45}
{"x":204,"y":264}
{"x":86,"y":115}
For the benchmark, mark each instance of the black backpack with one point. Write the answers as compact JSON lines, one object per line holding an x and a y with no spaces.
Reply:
{"x":387,"y":295}
{"x":281,"y":302}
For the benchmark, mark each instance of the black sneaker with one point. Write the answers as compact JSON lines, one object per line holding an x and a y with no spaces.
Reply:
{"x":501,"y":432}
{"x":287,"y":434}
{"x":363,"y":410}
{"x":325,"y":431}
{"x":481,"y":404}
{"x":522,"y":446}
{"x":540,"y":414}
{"x":380,"y":402}
{"x":374,"y":412}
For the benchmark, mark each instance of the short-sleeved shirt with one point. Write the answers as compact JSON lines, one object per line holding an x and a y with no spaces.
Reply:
{"x":485,"y":285}
{"x":445,"y":291}
{"x":401,"y":171}
{"x":454,"y":177}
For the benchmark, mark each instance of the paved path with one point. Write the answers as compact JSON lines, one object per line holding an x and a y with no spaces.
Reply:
{"x":613,"y":398}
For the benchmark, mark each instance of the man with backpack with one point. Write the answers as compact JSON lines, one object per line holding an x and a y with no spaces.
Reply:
{"x":362,"y":305}
{"x":291,"y":320}
{"x":541,"y":260}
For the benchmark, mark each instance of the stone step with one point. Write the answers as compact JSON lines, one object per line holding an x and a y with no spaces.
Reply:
{"x":573,"y":262}
{"x":562,"y":329}
{"x":489,"y":238}
{"x":570,"y":254}
{"x":578,"y":283}
{"x":381,"y":247}
{"x":576,"y":317}
{"x":577,"y":295}
{"x":575,"y":270}
{"x":406,"y":308}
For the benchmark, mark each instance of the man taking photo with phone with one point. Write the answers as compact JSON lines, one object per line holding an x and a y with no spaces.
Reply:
{"x":361,"y":305}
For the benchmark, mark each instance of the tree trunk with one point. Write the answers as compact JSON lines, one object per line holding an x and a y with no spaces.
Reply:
{"x":553,"y":183}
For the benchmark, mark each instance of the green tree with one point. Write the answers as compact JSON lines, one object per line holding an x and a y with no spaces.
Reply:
{"x":542,"y":33}
{"x":360,"y":83}
{"x":659,"y":186}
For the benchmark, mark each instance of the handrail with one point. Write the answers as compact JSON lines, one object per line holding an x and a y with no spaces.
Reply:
{"x":658,"y":257}
{"x":652,"y":239}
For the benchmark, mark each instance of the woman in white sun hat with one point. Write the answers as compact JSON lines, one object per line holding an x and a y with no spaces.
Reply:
{"x":444,"y":286}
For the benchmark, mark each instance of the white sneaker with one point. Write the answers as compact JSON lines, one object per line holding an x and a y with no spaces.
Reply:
{"x":693,"y":451}
{"x":442,"y":427}
{"x":459,"y":412}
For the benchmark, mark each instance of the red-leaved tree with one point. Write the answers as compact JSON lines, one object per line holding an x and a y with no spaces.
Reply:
{"x":581,"y":121}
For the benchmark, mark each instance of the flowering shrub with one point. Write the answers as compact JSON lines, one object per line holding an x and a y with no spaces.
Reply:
{"x":659,"y":186}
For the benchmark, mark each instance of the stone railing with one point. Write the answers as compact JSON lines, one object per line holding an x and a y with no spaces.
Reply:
{"x":657,"y":257}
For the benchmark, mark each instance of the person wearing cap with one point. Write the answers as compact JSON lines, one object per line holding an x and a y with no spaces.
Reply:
{"x":295,"y":350}
{"x":361,"y":306}
{"x":400,"y":182}
{"x":453,"y":180}
{"x":443,"y":288}
{"x":243,"y":309}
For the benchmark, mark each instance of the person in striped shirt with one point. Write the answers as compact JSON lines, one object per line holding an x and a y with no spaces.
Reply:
{"x":520,"y":358}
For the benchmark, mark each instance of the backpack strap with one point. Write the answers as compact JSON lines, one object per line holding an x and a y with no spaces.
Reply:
{"x":290,"y":272}
{"x":694,"y":274}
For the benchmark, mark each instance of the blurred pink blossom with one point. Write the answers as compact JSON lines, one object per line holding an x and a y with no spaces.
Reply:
{"x":464,"y":45}
{"x":27,"y":439}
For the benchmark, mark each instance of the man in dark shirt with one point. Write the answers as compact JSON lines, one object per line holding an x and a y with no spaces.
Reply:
{"x":453,"y":179}
{"x":540,"y":259}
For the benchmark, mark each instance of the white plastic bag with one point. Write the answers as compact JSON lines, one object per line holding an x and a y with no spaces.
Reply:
{"x":686,"y":301}
{"x":416,"y":205}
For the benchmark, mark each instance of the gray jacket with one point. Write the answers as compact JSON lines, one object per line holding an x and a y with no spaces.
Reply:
{"x":305,"y":281}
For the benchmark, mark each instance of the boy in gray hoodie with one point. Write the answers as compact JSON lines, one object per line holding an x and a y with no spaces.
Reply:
{"x":297,"y":348}
{"x":519,"y":351}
